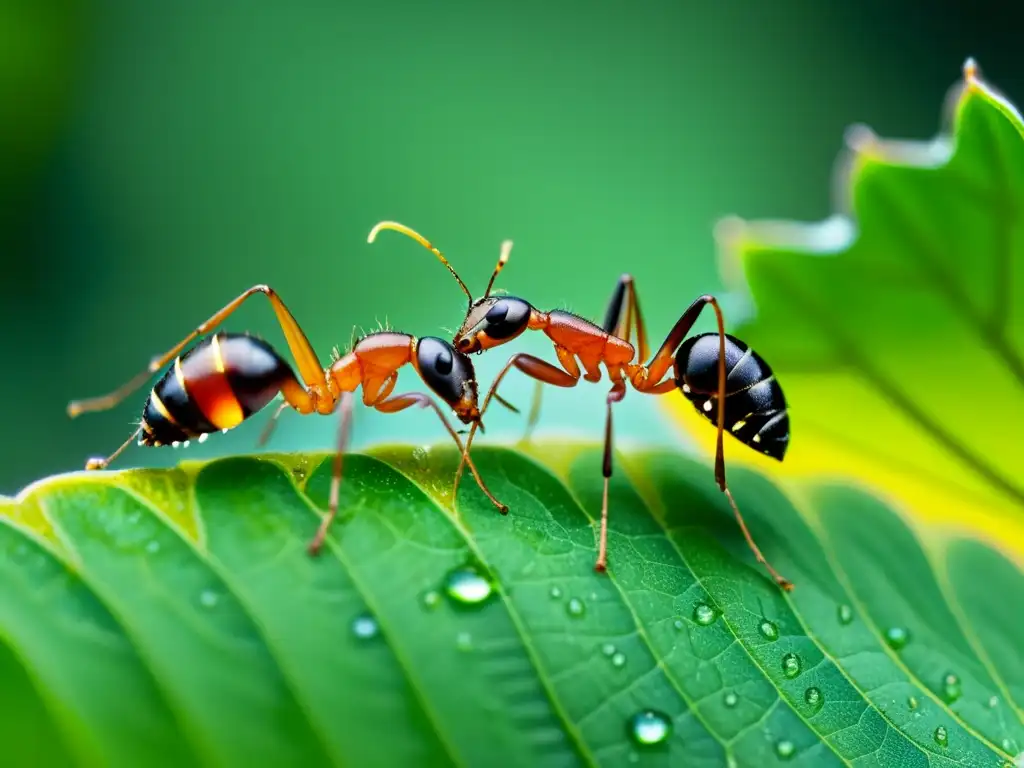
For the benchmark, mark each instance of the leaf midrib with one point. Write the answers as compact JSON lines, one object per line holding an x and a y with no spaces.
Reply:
{"x":367,"y":596}
{"x":456,"y":522}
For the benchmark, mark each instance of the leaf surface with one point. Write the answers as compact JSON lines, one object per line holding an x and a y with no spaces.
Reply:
{"x":174,"y":617}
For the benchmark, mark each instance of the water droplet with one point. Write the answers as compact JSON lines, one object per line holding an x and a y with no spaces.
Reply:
{"x":993,"y":702}
{"x":364,"y":626}
{"x":608,"y":649}
{"x":704,"y":614}
{"x":951,"y":688}
{"x":912,"y":702}
{"x":768,"y":630}
{"x":575,"y":607}
{"x":678,"y":624}
{"x":431,"y":599}
{"x":464,"y":641}
{"x":208,"y":598}
{"x":845,"y":614}
{"x":555,"y":593}
{"x":791,"y":665}
{"x":730,"y":699}
{"x":941,"y":737}
{"x":897,"y":638}
{"x":785,"y":749}
{"x":649,"y":727}
{"x":619,"y":660}
{"x":814,"y":698}
{"x":1006,"y":744}
{"x":153,"y":547}
{"x":467,"y":586}
{"x":632,"y":757}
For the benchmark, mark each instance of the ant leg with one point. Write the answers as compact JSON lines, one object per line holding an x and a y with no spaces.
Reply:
{"x":623,"y":310}
{"x":661,"y":363}
{"x":268,"y":430}
{"x":533,"y":367}
{"x":302,"y":351}
{"x":534,"y":415}
{"x":93,"y":464}
{"x":344,"y":431}
{"x":401,"y":402}
{"x":618,"y":391}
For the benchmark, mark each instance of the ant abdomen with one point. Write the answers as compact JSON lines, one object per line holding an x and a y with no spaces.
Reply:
{"x":755,"y":408}
{"x":214,"y":386}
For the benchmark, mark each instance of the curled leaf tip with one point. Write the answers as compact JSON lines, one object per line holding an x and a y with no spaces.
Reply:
{"x":729,"y":231}
{"x":971,"y":71}
{"x":861,"y":140}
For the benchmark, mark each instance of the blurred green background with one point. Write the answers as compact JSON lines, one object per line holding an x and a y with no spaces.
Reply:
{"x":155,"y":161}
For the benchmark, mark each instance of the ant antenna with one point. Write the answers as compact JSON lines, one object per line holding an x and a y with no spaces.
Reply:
{"x":506,"y":251}
{"x":396,"y":227}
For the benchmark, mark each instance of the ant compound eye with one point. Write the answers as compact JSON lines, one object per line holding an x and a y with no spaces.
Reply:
{"x":507,"y":318}
{"x":443,"y":362}
{"x":443,"y":369}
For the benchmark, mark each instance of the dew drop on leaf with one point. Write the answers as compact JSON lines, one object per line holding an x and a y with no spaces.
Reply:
{"x":575,"y":607}
{"x":704,"y":614}
{"x":897,"y":638}
{"x":785,"y":749}
{"x":950,"y":688}
{"x":431,"y":599}
{"x":845,"y":614}
{"x":608,"y":649}
{"x":619,"y":660}
{"x":365,"y":627}
{"x":467,"y":586}
{"x":912,"y":702}
{"x":555,"y":593}
{"x":649,"y":727}
{"x":941,"y":737}
{"x":678,"y":624}
{"x":791,"y":665}
{"x":208,"y":598}
{"x":768,"y":630}
{"x":993,"y":702}
{"x":730,"y":699}
{"x":464,"y":641}
{"x":153,"y":547}
{"x":814,"y":699}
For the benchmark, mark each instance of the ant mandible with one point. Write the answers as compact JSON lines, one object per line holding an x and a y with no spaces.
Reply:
{"x":709,"y":369}
{"x":228,"y":377}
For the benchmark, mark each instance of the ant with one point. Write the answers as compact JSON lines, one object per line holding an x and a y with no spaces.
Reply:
{"x":709,"y":368}
{"x":228,"y":377}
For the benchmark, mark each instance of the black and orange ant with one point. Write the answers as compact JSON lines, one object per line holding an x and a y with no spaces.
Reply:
{"x":228,"y":377}
{"x":709,"y":369}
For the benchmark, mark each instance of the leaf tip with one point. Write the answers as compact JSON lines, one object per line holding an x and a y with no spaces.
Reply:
{"x":862,"y":141}
{"x":971,"y":70}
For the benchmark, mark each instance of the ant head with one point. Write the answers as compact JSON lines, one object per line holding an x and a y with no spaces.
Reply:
{"x":492,"y":321}
{"x":450,"y":375}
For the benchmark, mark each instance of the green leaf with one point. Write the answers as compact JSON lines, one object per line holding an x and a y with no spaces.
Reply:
{"x":897,"y":331}
{"x":174,"y":618}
